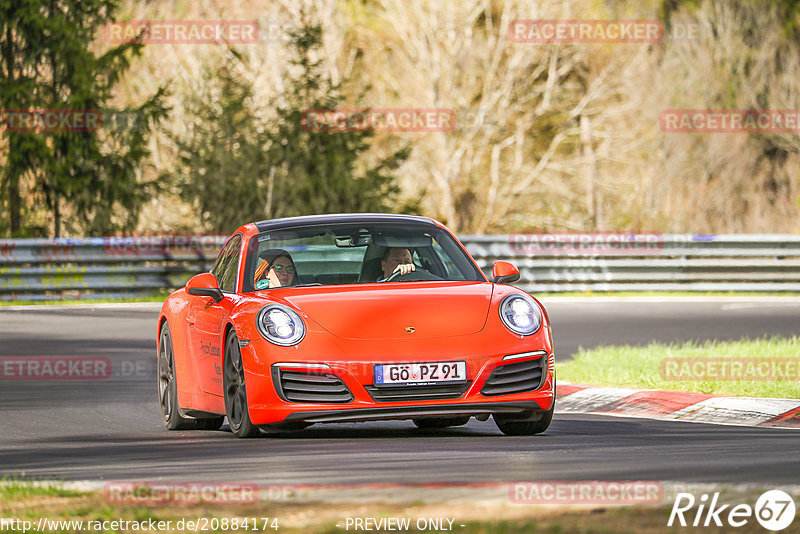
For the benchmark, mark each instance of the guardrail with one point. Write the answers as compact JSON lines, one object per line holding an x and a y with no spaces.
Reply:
{"x":112,"y":267}
{"x":101,"y":267}
{"x":645,"y":262}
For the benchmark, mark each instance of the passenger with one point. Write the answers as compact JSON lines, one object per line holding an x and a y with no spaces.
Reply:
{"x":396,"y":259}
{"x":276,"y":270}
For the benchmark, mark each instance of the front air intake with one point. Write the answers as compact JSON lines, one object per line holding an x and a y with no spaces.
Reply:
{"x":417,"y":393}
{"x":300,"y":386}
{"x":517,"y":377}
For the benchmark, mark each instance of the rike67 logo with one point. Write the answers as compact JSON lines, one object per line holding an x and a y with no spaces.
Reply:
{"x":774,"y":510}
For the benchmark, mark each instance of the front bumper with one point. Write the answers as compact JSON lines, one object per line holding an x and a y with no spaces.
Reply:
{"x":350,"y":363}
{"x":268,"y":403}
{"x":411,"y":412}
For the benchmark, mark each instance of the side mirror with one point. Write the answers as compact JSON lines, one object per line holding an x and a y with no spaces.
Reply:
{"x":204,"y":285}
{"x":504,"y":272}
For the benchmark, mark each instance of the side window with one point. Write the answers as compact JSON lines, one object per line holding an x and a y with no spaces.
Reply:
{"x":223,"y":258}
{"x":227,"y":265}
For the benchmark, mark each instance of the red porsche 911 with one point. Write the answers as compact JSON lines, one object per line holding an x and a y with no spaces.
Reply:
{"x":356,"y":317}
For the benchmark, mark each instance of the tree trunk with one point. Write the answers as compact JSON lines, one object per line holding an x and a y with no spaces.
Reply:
{"x":593,"y":206}
{"x":56,"y":215}
{"x":14,"y":201}
{"x":12,"y":172}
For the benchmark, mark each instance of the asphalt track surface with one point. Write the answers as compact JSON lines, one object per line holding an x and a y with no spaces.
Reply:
{"x":110,"y":429}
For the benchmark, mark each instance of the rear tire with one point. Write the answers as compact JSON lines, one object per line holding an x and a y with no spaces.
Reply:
{"x":511,"y":425}
{"x":440,"y":422}
{"x":235,"y":391}
{"x":168,"y":391}
{"x":167,"y":385}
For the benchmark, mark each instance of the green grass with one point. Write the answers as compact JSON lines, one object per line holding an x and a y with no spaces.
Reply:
{"x":19,"y":488}
{"x":641,"y":367}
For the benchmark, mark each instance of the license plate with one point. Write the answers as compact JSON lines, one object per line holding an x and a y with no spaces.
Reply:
{"x":420,"y":374}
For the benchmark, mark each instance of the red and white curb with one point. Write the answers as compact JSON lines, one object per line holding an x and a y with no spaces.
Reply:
{"x":679,"y":406}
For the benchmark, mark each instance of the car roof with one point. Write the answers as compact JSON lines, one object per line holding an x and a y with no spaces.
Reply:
{"x":335,"y":218}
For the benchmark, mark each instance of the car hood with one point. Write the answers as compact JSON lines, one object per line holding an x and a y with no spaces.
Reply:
{"x":386,"y":311}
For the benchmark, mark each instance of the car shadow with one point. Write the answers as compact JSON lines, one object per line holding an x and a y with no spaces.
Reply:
{"x":378,"y":430}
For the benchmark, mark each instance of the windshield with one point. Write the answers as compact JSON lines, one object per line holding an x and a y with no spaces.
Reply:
{"x":354,"y":254}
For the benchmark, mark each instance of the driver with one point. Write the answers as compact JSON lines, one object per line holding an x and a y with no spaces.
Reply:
{"x":396,"y":259}
{"x":276,"y":270}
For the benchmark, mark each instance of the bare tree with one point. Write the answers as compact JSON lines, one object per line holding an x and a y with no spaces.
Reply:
{"x":547,"y":136}
{"x":511,"y":160}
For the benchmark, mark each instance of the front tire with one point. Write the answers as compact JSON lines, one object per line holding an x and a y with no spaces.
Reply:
{"x":440,"y":422}
{"x":512,"y":425}
{"x":235,"y":391}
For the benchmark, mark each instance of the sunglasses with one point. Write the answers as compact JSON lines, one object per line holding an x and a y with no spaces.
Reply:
{"x":288,"y":268}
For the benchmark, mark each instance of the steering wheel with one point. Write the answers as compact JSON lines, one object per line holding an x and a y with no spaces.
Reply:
{"x":419,"y":275}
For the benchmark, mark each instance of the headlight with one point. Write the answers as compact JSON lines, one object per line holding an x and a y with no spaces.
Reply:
{"x":280,"y":325}
{"x":520,"y":314}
